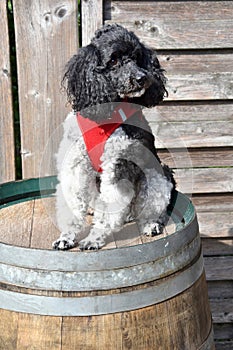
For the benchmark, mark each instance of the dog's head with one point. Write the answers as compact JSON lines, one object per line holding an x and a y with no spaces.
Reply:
{"x":115,"y":67}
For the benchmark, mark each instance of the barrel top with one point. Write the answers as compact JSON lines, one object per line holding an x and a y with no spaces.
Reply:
{"x":27,"y":214}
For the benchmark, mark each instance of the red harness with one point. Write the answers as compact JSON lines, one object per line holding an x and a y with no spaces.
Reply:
{"x":95,"y":135}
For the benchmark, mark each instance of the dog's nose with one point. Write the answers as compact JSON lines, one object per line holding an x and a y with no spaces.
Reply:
{"x":140,"y":78}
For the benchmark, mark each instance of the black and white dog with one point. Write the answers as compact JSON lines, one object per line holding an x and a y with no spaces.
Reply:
{"x":107,"y":159}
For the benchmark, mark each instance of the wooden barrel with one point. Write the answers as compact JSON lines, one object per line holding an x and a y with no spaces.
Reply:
{"x":145,"y":294}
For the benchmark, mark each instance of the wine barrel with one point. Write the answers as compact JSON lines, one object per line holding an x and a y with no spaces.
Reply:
{"x":151,"y":295}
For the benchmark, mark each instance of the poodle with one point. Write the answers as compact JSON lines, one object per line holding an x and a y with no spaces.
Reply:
{"x":107,"y":159}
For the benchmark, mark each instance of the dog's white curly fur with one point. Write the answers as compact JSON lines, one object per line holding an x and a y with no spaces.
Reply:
{"x":77,"y":191}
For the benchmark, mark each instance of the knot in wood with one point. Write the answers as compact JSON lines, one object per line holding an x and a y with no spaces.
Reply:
{"x":60,"y":11}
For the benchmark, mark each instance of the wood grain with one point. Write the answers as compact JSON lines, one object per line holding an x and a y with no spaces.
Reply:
{"x":140,"y":329}
{"x":218,"y":224}
{"x":219,"y":268}
{"x":191,"y":111}
{"x":16,"y":224}
{"x":197,"y":158}
{"x":222,"y":310}
{"x":92,"y":19}
{"x":8,"y":326}
{"x":223,"y":331}
{"x":126,"y":330}
{"x":193,"y":134}
{"x":204,"y":180}
{"x":38,"y":332}
{"x":217,"y":247}
{"x":7,"y":152}
{"x":46,"y":37}
{"x":176,"y":24}
{"x":44,"y":229}
{"x":181,"y":318}
{"x":224,"y":345}
{"x":220,"y":289}
{"x":199,"y":76}
{"x":212,"y":202}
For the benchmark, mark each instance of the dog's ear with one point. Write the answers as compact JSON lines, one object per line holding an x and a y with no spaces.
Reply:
{"x":156,"y":67}
{"x":85,"y":84}
{"x":156,"y":92}
{"x":78,"y":78}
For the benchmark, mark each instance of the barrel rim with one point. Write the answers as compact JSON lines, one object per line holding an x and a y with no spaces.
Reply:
{"x":46,"y":259}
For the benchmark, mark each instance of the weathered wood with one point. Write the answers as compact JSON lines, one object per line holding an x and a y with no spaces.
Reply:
{"x":44,"y":229}
{"x":193,"y":134}
{"x":9,"y":325}
{"x":198,"y":77}
{"x":92,"y":19}
{"x":186,"y":63}
{"x":46,"y":37}
{"x":106,"y":328}
{"x":217,"y":246}
{"x":16,"y":224}
{"x":133,"y":329}
{"x":219,"y":268}
{"x":222,"y":310}
{"x":216,"y":224}
{"x":188,"y":305}
{"x":223,"y":331}
{"x":220,"y":289}
{"x":38,"y":229}
{"x":193,"y":111}
{"x":204,"y":180}
{"x":222,"y":202}
{"x":176,"y":24}
{"x":203,"y":157}
{"x":224,"y":345}
{"x":38,"y":332}
{"x":7,"y":152}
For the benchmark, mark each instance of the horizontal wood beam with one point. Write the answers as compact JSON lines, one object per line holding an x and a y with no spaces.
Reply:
{"x":176,"y":24}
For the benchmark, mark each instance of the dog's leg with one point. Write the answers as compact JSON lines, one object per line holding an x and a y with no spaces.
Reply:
{"x":111,"y":211}
{"x":152,"y":201}
{"x":74,"y":192}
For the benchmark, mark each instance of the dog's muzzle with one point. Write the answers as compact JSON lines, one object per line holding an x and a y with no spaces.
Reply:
{"x":139,"y":84}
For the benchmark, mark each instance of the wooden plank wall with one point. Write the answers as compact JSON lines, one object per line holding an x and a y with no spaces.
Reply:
{"x":46,"y":37}
{"x":7,"y":155}
{"x":194,"y":125}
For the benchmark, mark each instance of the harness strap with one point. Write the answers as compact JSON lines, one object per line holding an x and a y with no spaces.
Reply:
{"x":95,"y":135}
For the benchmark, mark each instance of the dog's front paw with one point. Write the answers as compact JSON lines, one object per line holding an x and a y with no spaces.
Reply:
{"x":63,"y":244}
{"x":87,"y":244}
{"x":152,"y":230}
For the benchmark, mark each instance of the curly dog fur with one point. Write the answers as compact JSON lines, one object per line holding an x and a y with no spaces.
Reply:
{"x":115,"y":68}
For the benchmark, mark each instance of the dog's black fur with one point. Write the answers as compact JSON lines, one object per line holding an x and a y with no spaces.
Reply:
{"x":117,"y":67}
{"x":114,"y":65}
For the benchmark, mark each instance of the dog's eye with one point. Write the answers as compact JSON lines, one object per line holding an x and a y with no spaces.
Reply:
{"x":113,"y":61}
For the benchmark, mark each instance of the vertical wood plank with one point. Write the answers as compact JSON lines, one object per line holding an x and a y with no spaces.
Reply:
{"x":7,"y":158}
{"x":8,"y":326}
{"x":92,"y":18}
{"x":46,"y":37}
{"x":38,"y":332}
{"x":16,"y":224}
{"x":44,"y":230}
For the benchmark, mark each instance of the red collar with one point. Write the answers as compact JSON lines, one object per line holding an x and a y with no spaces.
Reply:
{"x":95,"y":135}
